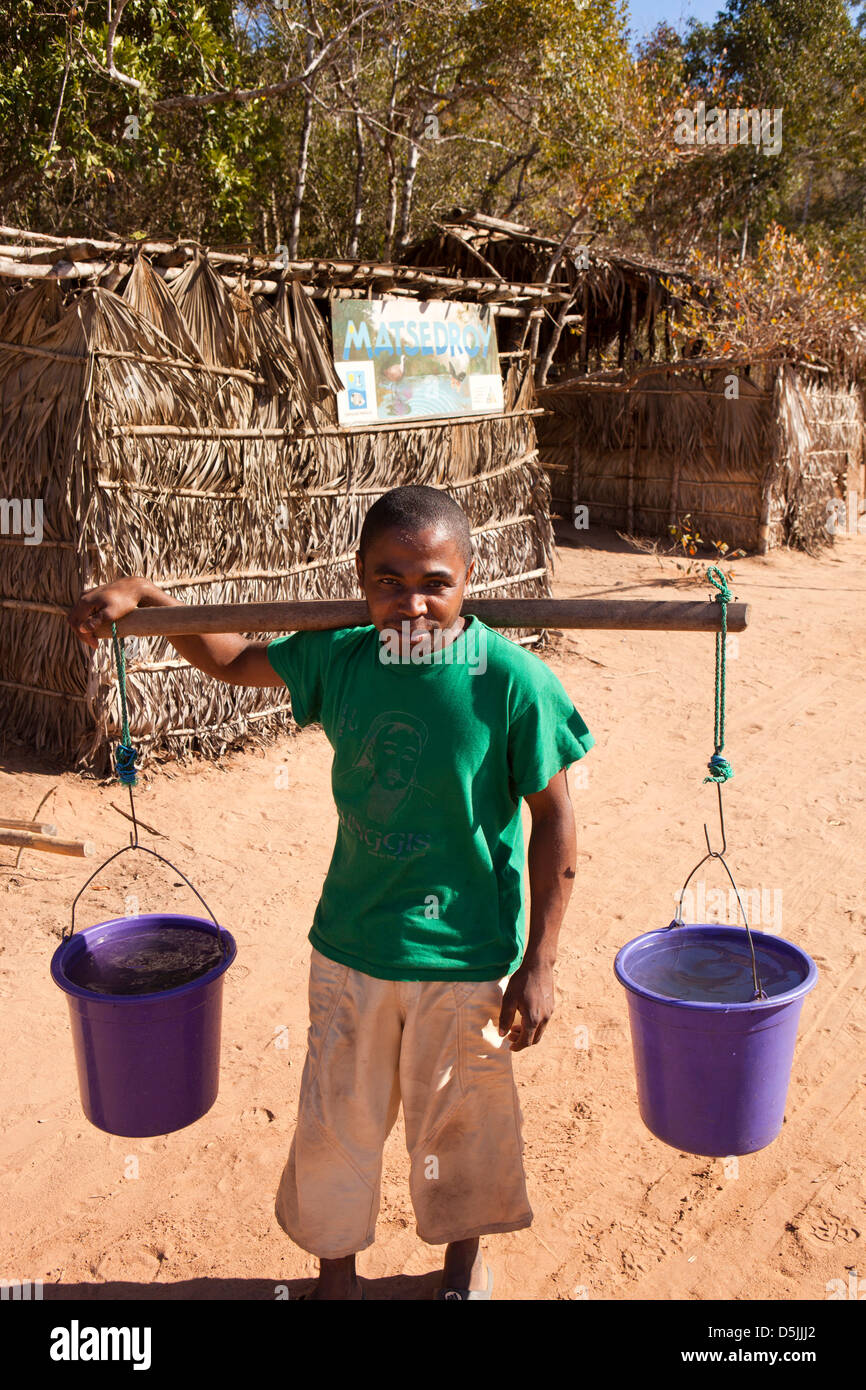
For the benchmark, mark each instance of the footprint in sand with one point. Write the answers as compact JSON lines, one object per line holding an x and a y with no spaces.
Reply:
{"x":257,"y":1115}
{"x":830,"y":1230}
{"x":125,"y":1264}
{"x":631,"y":1265}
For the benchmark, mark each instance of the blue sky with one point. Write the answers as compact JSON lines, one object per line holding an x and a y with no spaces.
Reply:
{"x":646,"y":14}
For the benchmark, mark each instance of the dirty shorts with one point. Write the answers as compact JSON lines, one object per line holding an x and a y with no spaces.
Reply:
{"x":435,"y":1046}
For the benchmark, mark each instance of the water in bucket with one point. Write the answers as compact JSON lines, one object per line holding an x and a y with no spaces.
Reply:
{"x":146,"y":962}
{"x":714,"y":970}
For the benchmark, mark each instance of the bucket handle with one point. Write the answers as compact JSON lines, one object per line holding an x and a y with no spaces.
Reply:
{"x":760,"y":993}
{"x":144,"y":849}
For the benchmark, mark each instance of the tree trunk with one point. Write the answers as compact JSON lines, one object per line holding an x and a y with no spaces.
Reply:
{"x":303,"y":160}
{"x":551,"y":271}
{"x":745,"y":242}
{"x":410,"y":169}
{"x":549,"y":352}
{"x":518,"y":195}
{"x":358,"y":207}
{"x":391,"y":212}
{"x":278,"y":234}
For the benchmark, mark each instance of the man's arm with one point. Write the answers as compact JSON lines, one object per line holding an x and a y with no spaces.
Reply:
{"x":226,"y":656}
{"x":551,"y":858}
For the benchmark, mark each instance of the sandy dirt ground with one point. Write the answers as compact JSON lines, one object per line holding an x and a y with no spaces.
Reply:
{"x":618,"y":1214}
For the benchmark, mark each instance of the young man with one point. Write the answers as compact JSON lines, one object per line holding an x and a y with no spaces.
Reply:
{"x":440,"y":726}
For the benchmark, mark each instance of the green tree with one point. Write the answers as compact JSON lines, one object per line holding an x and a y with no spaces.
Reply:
{"x":804,"y":58}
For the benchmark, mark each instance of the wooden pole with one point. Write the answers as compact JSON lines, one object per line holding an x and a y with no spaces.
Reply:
{"x":289,"y":431}
{"x":317,"y":615}
{"x":38,"y":826}
{"x":25,"y":839}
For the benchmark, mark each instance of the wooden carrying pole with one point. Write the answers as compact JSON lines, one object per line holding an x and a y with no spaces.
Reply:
{"x":321,"y":614}
{"x":39,"y":827}
{"x":25,"y":839}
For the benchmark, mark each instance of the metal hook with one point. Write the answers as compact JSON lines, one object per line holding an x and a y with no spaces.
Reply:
{"x":133,"y":834}
{"x":717,"y":854}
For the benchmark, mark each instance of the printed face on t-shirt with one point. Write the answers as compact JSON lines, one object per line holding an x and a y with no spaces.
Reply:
{"x":395,"y":756}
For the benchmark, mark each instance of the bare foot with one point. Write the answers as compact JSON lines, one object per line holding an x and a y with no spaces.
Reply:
{"x":334,"y":1293}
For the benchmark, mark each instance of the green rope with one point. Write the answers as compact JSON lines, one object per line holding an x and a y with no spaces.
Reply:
{"x":126,"y":755}
{"x":720,"y":768}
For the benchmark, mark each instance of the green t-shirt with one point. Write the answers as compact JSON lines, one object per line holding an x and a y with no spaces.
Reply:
{"x":430,"y":763}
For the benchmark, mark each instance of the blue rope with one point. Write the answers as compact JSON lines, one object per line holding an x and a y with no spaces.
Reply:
{"x":125,"y":755}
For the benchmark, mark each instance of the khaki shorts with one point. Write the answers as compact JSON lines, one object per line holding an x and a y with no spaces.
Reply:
{"x":435,"y":1046}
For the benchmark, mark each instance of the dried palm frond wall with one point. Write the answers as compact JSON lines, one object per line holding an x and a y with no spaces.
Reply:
{"x":173,"y":432}
{"x":754,"y":469}
{"x":821,"y":448}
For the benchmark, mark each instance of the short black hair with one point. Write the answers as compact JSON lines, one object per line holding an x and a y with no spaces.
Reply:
{"x":413,"y":509}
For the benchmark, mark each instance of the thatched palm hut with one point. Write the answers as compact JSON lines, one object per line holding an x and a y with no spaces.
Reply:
{"x":607,"y":296}
{"x":175,"y":414}
{"x":754,"y":453}
{"x":755,"y":449}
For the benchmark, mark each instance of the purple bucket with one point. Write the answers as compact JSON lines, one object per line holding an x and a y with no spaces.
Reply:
{"x":148,"y":1064}
{"x":713,"y":1072}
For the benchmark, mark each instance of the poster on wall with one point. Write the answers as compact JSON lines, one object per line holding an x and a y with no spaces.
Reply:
{"x":401,"y":359}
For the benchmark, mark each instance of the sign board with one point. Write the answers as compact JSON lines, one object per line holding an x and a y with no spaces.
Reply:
{"x":402,"y":359}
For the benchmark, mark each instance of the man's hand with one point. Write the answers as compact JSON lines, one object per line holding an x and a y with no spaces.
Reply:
{"x":96,"y":609}
{"x":530,"y":993}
